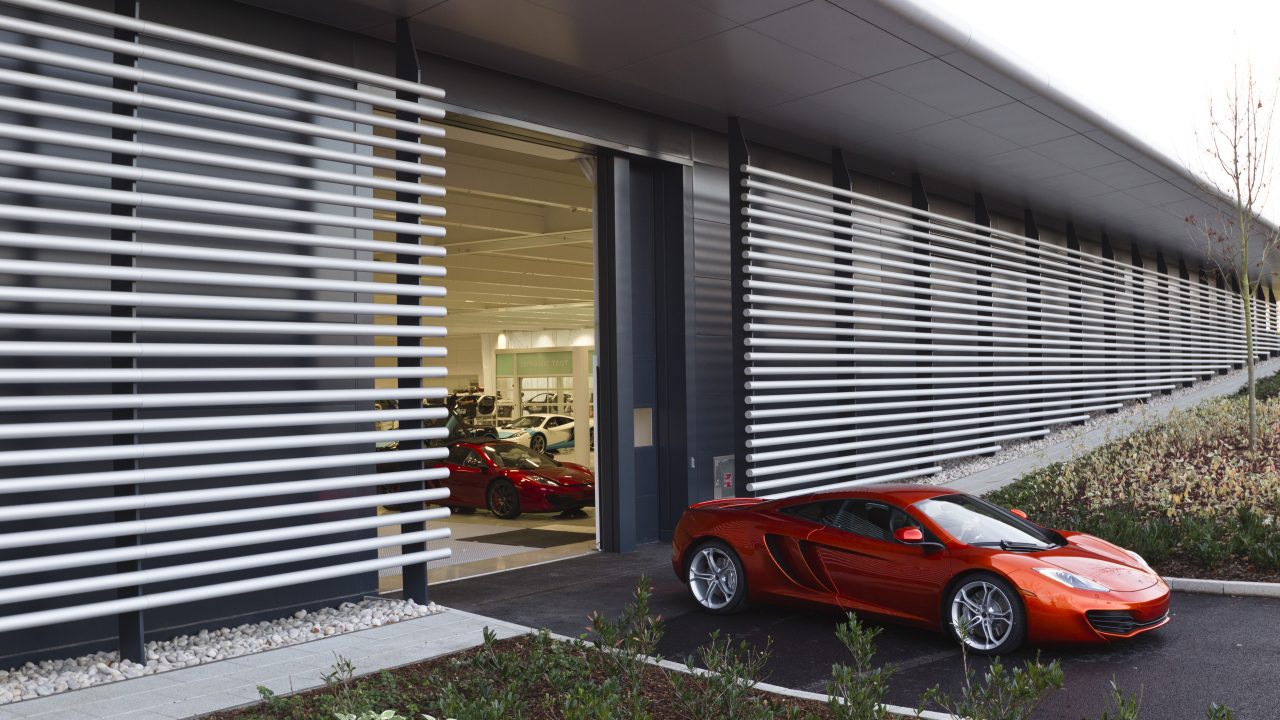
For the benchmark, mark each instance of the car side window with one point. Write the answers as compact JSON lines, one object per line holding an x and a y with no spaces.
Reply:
{"x":473,"y":460}
{"x":554,"y":422}
{"x":458,"y":454}
{"x":816,"y":512}
{"x":861,"y":517}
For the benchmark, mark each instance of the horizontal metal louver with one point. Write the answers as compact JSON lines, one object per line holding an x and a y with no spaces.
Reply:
{"x":882,"y":339}
{"x":191,"y":331}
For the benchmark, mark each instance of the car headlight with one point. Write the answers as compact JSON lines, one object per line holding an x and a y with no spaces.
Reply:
{"x":1071,"y":579}
{"x":1139,"y":559}
{"x":544,"y":480}
{"x":519,"y":433}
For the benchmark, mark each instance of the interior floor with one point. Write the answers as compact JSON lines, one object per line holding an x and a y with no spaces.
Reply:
{"x":482,"y":543}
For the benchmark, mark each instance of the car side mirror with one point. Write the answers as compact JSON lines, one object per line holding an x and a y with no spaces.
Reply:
{"x":1018,"y":512}
{"x":908,"y":535}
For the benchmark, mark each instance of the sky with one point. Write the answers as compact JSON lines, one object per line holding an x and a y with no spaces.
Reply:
{"x":1149,"y":66}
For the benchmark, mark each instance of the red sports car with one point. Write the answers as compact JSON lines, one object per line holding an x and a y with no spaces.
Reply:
{"x":510,"y":479}
{"x":923,"y":555}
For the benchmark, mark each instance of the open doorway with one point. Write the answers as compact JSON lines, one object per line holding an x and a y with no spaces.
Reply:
{"x":521,"y":350}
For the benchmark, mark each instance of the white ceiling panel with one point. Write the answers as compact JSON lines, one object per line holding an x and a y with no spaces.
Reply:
{"x":1122,"y":175}
{"x":744,"y":11}
{"x":739,"y":70}
{"x":879,"y":105}
{"x":964,"y":139}
{"x":941,"y":86}
{"x":1024,"y":163}
{"x":1077,"y":152}
{"x":832,"y":34}
{"x":1019,"y":124}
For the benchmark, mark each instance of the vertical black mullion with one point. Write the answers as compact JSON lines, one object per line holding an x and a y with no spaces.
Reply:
{"x":1164,"y":303}
{"x":1140,"y":315}
{"x":130,"y":626}
{"x":1110,"y":309}
{"x":922,"y":273}
{"x":738,"y":157}
{"x":1073,"y":306}
{"x":414,"y":576}
{"x":1036,"y":291}
{"x":982,"y":217}
{"x":840,"y":178}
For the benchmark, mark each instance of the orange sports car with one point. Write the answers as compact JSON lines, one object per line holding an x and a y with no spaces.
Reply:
{"x":922,"y":555}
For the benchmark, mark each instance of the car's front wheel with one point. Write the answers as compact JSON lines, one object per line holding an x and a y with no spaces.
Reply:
{"x":538,"y":443}
{"x":985,"y":613}
{"x":716,"y":579}
{"x":504,"y":499}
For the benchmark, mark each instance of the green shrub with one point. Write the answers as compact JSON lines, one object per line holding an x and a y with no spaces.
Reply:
{"x":858,"y":691}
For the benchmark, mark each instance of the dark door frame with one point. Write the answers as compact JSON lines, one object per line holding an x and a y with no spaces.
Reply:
{"x":618,"y":217}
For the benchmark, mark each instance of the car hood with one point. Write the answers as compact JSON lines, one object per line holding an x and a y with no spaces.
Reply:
{"x":1100,"y":561}
{"x":562,"y":475}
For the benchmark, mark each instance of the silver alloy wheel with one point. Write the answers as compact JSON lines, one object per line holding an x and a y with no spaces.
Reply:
{"x":713,"y":578}
{"x":982,"y":614}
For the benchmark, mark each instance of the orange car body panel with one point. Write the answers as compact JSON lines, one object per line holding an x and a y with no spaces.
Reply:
{"x":790,"y":560}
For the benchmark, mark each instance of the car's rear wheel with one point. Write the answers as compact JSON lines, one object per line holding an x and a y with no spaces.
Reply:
{"x":504,"y":499}
{"x":985,"y":613}
{"x":538,"y":443}
{"x":716,"y":579}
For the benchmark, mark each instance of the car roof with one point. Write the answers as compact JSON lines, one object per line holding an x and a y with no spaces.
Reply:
{"x":901,"y":494}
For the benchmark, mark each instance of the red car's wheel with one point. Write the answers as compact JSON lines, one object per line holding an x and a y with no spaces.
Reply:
{"x":989,"y":611}
{"x":716,"y":579}
{"x":504,"y":499}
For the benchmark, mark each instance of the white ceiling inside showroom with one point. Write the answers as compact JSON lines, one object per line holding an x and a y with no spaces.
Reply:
{"x":848,"y":73}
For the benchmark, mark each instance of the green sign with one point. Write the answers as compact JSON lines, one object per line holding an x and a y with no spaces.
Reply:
{"x":534,"y":364}
{"x":506,"y":366}
{"x":544,"y":363}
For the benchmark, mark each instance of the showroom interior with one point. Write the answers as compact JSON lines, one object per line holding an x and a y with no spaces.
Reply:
{"x":520,"y":336}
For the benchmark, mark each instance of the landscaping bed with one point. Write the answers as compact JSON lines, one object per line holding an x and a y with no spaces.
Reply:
{"x":1185,"y":494}
{"x":533,"y":677}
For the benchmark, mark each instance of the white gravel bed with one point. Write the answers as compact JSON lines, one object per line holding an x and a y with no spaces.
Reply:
{"x":1145,"y":411}
{"x":55,"y":676}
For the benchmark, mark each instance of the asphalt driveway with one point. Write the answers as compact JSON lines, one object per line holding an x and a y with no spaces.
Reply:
{"x":1216,"y":649}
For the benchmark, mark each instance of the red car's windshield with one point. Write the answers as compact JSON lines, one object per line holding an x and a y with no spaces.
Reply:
{"x":975,"y":522}
{"x":518,"y":457}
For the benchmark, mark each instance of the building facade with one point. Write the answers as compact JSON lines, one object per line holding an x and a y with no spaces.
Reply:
{"x":828,"y":243}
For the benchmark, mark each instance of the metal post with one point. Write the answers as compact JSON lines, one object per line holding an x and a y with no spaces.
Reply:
{"x":413,"y":577}
{"x":1109,"y":308}
{"x":1073,"y":307}
{"x":738,"y":157}
{"x":130,"y":626}
{"x":840,"y":178}
{"x":920,"y":201}
{"x":982,"y":217}
{"x":1032,"y":232}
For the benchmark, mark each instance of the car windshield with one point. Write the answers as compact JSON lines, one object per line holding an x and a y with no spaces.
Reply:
{"x":518,"y":457}
{"x":528,"y":421}
{"x":976,"y":522}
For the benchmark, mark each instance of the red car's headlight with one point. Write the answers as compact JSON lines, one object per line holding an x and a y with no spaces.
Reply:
{"x":1071,"y":579}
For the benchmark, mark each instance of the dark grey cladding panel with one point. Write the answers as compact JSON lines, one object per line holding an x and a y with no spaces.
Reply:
{"x":710,"y":193}
{"x":712,"y":306}
{"x":711,"y":256}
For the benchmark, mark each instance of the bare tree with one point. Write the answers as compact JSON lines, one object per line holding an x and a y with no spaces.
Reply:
{"x":1238,"y":240}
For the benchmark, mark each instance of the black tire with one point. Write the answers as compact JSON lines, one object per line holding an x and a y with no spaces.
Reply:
{"x":538,"y":443}
{"x":503,"y":499}
{"x":998,"y":625}
{"x":709,"y":590}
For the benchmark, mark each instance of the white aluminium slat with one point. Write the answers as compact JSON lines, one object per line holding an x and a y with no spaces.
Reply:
{"x":176,"y":424}
{"x":872,"y":324}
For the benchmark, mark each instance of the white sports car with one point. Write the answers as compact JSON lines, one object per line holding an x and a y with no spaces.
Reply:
{"x":540,"y":432}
